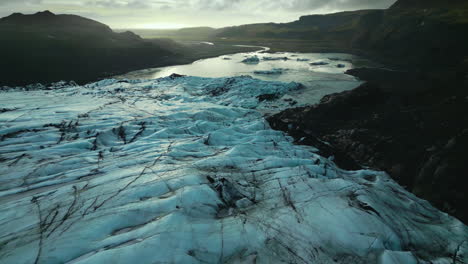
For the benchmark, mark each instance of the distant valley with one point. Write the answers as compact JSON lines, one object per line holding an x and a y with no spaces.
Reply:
{"x":402,"y":35}
{"x":45,"y":48}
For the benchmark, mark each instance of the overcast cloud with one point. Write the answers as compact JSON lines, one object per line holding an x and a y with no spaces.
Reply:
{"x":186,"y":13}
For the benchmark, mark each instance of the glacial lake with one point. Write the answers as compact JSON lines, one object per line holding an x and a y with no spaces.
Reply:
{"x":304,"y":68}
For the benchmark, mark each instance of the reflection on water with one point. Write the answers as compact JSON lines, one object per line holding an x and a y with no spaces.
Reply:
{"x":320,"y":73}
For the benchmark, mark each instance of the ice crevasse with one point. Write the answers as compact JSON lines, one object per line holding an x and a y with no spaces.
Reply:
{"x":186,"y":170}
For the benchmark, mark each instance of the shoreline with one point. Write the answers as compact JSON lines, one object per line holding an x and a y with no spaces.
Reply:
{"x":265,"y":49}
{"x":180,"y":60}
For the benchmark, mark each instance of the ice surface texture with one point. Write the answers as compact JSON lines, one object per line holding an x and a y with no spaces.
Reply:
{"x":186,"y":170}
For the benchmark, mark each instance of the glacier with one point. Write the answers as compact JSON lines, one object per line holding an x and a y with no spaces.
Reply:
{"x":186,"y":170}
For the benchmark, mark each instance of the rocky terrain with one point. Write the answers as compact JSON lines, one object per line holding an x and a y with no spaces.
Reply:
{"x":410,"y":122}
{"x":413,"y":126}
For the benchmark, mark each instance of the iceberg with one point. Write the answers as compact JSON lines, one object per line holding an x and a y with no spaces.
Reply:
{"x":270,"y":72}
{"x":319,"y":63}
{"x":187,"y":170}
{"x":252,"y":60}
{"x":275,"y":58}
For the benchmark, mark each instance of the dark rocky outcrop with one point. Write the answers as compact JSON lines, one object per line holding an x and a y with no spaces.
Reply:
{"x":412,"y":125}
{"x":411,"y":122}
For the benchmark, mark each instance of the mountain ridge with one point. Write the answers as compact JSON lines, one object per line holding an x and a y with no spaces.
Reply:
{"x":426,"y":27}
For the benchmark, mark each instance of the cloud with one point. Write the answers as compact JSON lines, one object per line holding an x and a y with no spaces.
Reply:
{"x":19,"y":2}
{"x":133,"y":4}
{"x":216,"y":13}
{"x":290,"y":5}
{"x":244,"y":5}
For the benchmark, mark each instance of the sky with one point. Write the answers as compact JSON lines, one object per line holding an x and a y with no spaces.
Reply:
{"x":163,"y":14}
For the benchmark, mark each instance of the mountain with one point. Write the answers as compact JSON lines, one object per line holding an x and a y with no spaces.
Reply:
{"x":49,"y":21}
{"x":325,"y":28}
{"x":411,"y":33}
{"x":410,"y":121}
{"x":419,"y":34}
{"x":424,"y":4}
{"x":45,"y":47}
{"x":192,"y":33}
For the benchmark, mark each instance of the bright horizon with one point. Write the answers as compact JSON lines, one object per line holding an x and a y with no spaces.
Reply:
{"x":173,"y":14}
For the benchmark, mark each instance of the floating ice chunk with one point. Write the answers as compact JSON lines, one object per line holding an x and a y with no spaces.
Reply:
{"x":270,"y":72}
{"x":275,"y":58}
{"x":207,"y":43}
{"x":252,"y":60}
{"x":319,"y":63}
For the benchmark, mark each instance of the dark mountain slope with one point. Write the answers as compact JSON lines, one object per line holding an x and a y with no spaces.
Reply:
{"x":333,"y":30}
{"x":411,"y":122}
{"x":426,"y":36}
{"x":413,"y":127}
{"x":412,"y":33}
{"x":45,"y":48}
{"x":49,"y":21}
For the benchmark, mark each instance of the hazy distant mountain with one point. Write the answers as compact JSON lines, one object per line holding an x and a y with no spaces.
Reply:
{"x":48,"y":21}
{"x":45,"y":47}
{"x":192,"y":33}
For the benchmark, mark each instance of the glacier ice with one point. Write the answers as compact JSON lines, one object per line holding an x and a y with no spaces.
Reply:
{"x":318,"y":63}
{"x":186,"y":170}
{"x":275,"y":58}
{"x":251,"y":60}
{"x":274,"y":71}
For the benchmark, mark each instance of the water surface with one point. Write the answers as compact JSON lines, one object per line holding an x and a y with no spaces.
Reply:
{"x":319,"y":80}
